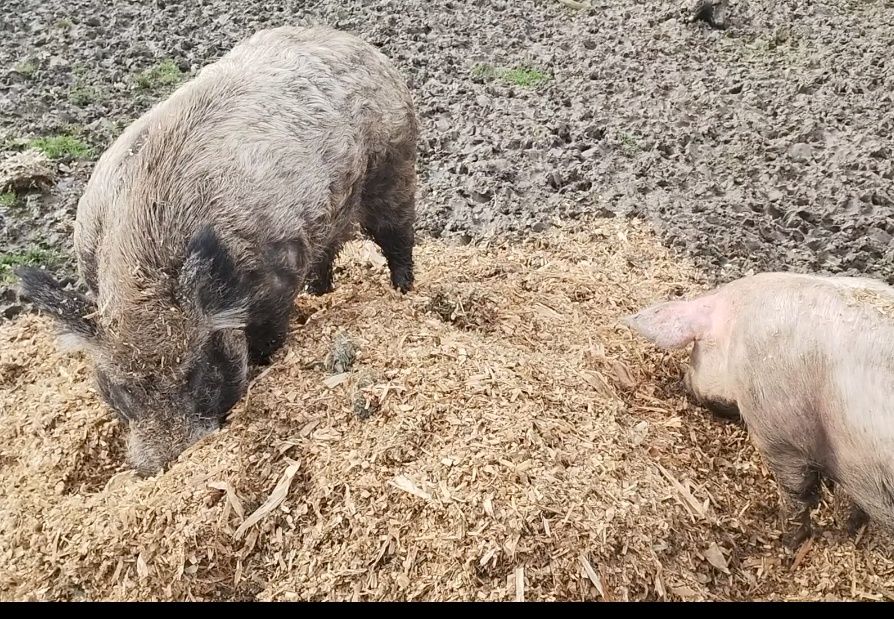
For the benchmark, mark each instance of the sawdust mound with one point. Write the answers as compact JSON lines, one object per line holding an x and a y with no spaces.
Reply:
{"x":494,"y":435}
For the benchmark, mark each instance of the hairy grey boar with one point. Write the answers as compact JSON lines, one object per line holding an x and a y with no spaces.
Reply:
{"x":209,"y":214}
{"x":808,"y":362}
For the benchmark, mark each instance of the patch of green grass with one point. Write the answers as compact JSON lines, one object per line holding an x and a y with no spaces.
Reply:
{"x":63,"y":24}
{"x":629,"y":144}
{"x":524,"y":76}
{"x":81,"y":94}
{"x":7,"y":199}
{"x":163,"y":75}
{"x":484,"y":71}
{"x":61,"y":147}
{"x":29,"y":257}
{"x":26,"y":67}
{"x":519,"y":76}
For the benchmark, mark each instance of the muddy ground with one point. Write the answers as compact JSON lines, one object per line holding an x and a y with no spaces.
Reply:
{"x":764,"y":145}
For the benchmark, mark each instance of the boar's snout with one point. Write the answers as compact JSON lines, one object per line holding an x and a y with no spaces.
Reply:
{"x":155,"y":442}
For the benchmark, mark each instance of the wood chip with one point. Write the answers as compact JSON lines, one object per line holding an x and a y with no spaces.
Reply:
{"x":273,"y":501}
{"x":696,"y":507}
{"x":715,"y":557}
{"x":408,"y":485}
{"x":802,"y":553}
{"x":142,"y":568}
{"x":623,"y":375}
{"x":231,"y":495}
{"x":336,"y":379}
{"x":594,"y":577}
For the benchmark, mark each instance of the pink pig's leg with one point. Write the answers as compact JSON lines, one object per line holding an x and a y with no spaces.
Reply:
{"x":801,"y":484}
{"x":856,"y":520}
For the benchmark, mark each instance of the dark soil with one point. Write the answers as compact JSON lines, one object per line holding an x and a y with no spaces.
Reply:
{"x":764,"y":145}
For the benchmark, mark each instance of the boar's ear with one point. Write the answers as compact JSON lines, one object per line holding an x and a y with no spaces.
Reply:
{"x":72,"y":311}
{"x":212,"y":283}
{"x":673,"y":324}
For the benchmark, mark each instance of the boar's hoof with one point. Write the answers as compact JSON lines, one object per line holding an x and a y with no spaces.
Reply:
{"x":402,"y":279}
{"x":318,"y":289}
{"x":404,"y":287}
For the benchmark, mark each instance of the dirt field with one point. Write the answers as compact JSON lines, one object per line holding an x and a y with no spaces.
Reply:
{"x":499,"y":436}
{"x":766,"y":145}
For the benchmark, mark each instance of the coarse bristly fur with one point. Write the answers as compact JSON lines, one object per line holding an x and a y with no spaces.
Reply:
{"x":206,"y":217}
{"x":808,"y":362}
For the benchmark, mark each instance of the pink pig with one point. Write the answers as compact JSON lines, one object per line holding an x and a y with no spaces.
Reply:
{"x":808,"y":363}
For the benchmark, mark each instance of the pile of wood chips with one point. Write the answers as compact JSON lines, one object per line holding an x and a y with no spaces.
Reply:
{"x":494,"y":435}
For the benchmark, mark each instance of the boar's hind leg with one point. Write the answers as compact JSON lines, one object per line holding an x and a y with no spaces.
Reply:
{"x":802,"y":483}
{"x":387,"y":214}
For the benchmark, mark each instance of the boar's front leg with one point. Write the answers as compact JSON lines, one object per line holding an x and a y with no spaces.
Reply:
{"x":388,"y":214}
{"x":319,"y":281}
{"x":267,"y":332}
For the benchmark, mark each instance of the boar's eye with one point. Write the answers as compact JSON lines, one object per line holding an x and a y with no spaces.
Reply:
{"x":116,"y":396}
{"x":216,"y":381}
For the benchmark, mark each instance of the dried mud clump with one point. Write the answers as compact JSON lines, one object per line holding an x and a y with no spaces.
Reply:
{"x":342,"y":356}
{"x":25,"y":171}
{"x":712,"y":12}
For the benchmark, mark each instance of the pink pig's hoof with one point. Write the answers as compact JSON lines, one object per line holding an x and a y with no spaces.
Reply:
{"x":798,"y":536}
{"x":804,"y":530}
{"x":856,"y":520}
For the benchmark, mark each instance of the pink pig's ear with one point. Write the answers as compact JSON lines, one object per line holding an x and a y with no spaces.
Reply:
{"x":673,"y":324}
